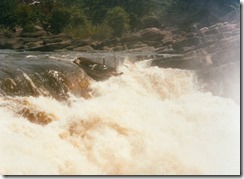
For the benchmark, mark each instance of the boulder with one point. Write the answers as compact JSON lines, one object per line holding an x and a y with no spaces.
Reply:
{"x":153,"y":43}
{"x":143,"y":49}
{"x":211,"y":38}
{"x":96,"y":45}
{"x":118,"y":48}
{"x":34,"y":44}
{"x":51,"y":40}
{"x":131,"y":38}
{"x":12,"y":43}
{"x":86,"y":48}
{"x":138,"y":45}
{"x":168,"y":40}
{"x":151,"y":34}
{"x":229,"y":27}
{"x":49,"y":47}
{"x":33,"y":34}
{"x":187,"y":49}
{"x":165,"y":50}
{"x":212,"y":31}
{"x":111,"y":42}
{"x":78,"y":43}
{"x":38,"y":28}
{"x":178,"y":45}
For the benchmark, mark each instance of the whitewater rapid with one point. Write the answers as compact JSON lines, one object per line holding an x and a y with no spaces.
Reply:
{"x":146,"y":121}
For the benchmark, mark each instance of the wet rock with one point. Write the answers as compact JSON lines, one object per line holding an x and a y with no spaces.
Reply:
{"x":96,"y":45}
{"x":45,"y":77}
{"x":153,"y":43}
{"x":134,"y":38}
{"x":111,"y":42}
{"x":165,"y":50}
{"x":151,"y":34}
{"x":211,"y":38}
{"x":213,"y":53}
{"x":38,"y":28}
{"x":86,"y":48}
{"x":143,"y":49}
{"x":187,"y":49}
{"x":78,"y":43}
{"x":52,"y":40}
{"x":49,"y":47}
{"x":167,"y":41}
{"x":33,"y":34}
{"x":137,"y":45}
{"x":211,"y":31}
{"x":33,"y":44}
{"x":3,"y":43}
{"x":178,"y":45}
{"x":118,"y":48}
{"x":14,"y":43}
{"x":8,"y":84}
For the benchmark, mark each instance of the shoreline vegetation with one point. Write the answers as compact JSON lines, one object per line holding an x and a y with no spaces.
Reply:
{"x":109,"y":25}
{"x":203,"y":36}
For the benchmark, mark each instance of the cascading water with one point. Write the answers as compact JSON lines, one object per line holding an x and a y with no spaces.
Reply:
{"x":146,"y":121}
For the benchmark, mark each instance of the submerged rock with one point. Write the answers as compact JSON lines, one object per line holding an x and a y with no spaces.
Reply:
{"x":43,"y":77}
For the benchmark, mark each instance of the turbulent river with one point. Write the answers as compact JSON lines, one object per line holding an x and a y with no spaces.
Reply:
{"x":149,"y":120}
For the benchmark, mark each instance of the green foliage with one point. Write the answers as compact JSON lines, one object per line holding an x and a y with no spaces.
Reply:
{"x":60,"y":19}
{"x":29,"y":27}
{"x":79,"y":32}
{"x":8,"y":16}
{"x":78,"y":17}
{"x":26,"y":16}
{"x":96,"y":32}
{"x":79,"y":26}
{"x":96,"y":10}
{"x":150,"y":21}
{"x":118,"y":20}
{"x":101,"y":32}
{"x":100,"y":19}
{"x":185,"y":13}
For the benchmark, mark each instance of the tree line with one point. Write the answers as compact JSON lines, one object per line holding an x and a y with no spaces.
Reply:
{"x":110,"y":18}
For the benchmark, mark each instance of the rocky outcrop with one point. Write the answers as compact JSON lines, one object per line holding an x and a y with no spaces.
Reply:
{"x":85,"y":48}
{"x":41,"y":40}
{"x":210,"y":51}
{"x":209,"y":46}
{"x":160,"y":41}
{"x":45,"y":78}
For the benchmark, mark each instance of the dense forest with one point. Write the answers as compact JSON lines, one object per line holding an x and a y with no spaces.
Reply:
{"x":100,"y":19}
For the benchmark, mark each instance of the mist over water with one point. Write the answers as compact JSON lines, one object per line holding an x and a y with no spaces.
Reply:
{"x":148,"y":120}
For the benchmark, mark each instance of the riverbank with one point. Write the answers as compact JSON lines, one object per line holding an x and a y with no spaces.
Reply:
{"x":212,"y":52}
{"x":162,"y":40}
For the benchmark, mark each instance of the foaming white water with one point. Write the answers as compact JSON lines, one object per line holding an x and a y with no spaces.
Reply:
{"x":31,"y":56}
{"x":145,"y":121}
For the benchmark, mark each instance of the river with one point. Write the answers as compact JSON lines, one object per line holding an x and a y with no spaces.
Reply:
{"x":147,"y":121}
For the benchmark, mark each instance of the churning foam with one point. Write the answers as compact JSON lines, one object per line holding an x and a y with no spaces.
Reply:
{"x":146,"y":121}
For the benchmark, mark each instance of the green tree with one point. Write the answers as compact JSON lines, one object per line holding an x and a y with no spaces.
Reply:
{"x":78,"y":17}
{"x":138,"y":11}
{"x":27,"y":17}
{"x":118,"y":19}
{"x":7,"y":13}
{"x":150,"y":21}
{"x":59,"y":19}
{"x":185,"y":13}
{"x":96,"y":10}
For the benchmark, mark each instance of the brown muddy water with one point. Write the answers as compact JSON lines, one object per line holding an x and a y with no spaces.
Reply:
{"x":148,"y":121}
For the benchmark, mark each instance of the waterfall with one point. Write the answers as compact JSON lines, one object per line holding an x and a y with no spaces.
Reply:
{"x":148,"y":120}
